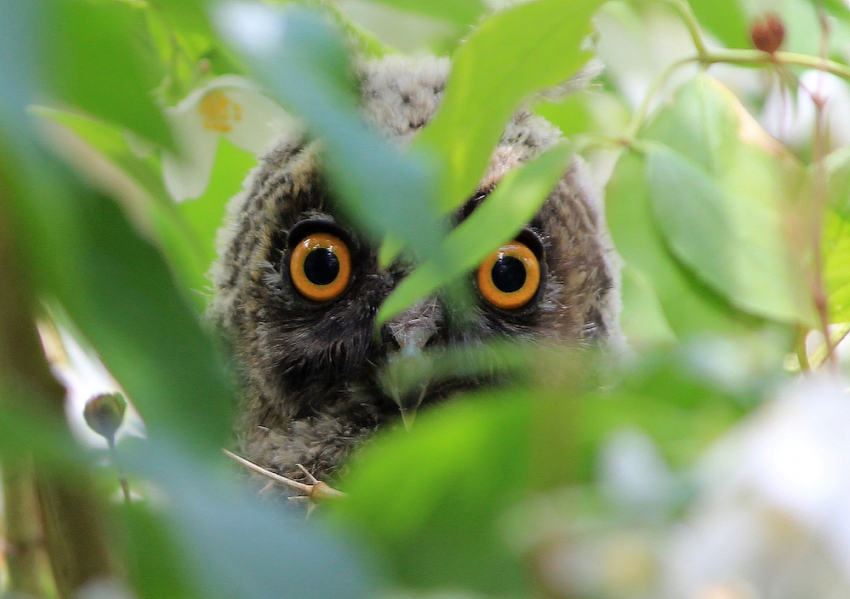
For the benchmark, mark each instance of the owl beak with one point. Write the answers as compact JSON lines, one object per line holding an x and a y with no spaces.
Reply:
{"x":407,"y":373}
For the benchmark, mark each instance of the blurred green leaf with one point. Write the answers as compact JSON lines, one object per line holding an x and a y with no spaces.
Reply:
{"x":571,"y":114}
{"x":506,"y":58}
{"x":725,"y":19}
{"x":836,"y":252}
{"x":32,"y":431}
{"x":722,"y":201}
{"x":206,"y":213}
{"x":460,"y":12}
{"x":154,"y":212}
{"x":186,"y":16}
{"x":432,"y":502}
{"x":19,"y":53}
{"x":303,"y":60}
{"x":737,"y":251}
{"x":97,"y":61}
{"x":669,"y":396}
{"x":837,"y":166}
{"x":428,"y":501}
{"x":836,"y":8}
{"x":497,"y":220}
{"x":643,"y":320}
{"x":118,"y":291}
{"x":690,"y":307}
{"x":110,"y":141}
{"x":233,"y":545}
{"x":154,"y":563}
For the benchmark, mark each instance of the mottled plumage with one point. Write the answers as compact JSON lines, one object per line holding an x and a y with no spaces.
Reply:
{"x":310,"y":370}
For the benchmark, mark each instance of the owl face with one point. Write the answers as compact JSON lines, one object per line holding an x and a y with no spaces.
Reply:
{"x":298,"y":288}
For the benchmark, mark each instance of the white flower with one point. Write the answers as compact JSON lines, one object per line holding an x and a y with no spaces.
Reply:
{"x":231,"y":106}
{"x":772,"y":516}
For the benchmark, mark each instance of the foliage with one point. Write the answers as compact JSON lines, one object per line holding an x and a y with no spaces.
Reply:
{"x":725,"y":171}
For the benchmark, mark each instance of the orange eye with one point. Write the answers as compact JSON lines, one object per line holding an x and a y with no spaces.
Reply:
{"x":320,"y":267}
{"x":510,"y":276}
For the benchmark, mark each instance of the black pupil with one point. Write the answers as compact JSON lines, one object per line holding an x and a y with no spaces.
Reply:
{"x":508,"y":274}
{"x":321,"y":266}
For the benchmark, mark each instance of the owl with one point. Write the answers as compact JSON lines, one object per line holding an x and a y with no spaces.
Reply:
{"x":297,"y":286}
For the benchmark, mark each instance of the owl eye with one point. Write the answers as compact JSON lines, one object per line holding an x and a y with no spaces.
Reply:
{"x":320,"y":266}
{"x":510,"y":276}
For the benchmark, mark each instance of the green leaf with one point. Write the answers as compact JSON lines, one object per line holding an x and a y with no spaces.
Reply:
{"x":725,"y":19}
{"x":643,"y":320}
{"x":836,"y":8}
{"x":154,"y":212}
{"x":111,"y":142}
{"x":436,"y":499}
{"x":460,"y":12}
{"x":722,"y":201}
{"x":205,"y":214}
{"x":690,"y":307}
{"x":231,"y":544}
{"x":19,"y":48}
{"x":97,"y":62}
{"x":497,"y":220}
{"x":836,"y":255}
{"x":428,"y":501}
{"x":186,"y":16}
{"x":152,"y":558}
{"x":388,"y":191}
{"x":571,"y":115}
{"x":119,"y":293}
{"x":509,"y":56}
{"x":735,"y":247}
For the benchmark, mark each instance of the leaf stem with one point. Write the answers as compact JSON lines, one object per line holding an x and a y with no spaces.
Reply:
{"x":122,"y":478}
{"x":756,"y":57}
{"x":802,"y":351}
{"x":690,"y":20}
{"x":818,"y":201}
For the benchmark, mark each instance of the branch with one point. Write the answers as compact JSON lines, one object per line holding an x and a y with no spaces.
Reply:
{"x":315,"y":491}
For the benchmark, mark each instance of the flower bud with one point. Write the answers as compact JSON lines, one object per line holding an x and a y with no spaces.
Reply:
{"x":768,"y":33}
{"x":104,"y":413}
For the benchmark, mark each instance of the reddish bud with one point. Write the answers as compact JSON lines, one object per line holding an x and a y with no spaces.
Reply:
{"x":768,"y":33}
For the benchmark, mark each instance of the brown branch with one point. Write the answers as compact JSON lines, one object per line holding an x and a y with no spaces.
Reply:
{"x":315,"y":491}
{"x":70,"y":516}
{"x":24,"y":546}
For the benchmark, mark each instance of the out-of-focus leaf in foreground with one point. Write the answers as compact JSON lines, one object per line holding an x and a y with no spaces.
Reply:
{"x":117,"y":289}
{"x":435,"y":499}
{"x":18,"y":55}
{"x":459,"y":12}
{"x":428,"y":501}
{"x":725,"y":19}
{"x":497,"y":220}
{"x":836,"y":236}
{"x":301,"y":58}
{"x":96,"y":61}
{"x":505,"y":59}
{"x":231,"y":544}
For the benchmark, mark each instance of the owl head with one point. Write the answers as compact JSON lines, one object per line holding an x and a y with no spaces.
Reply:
{"x":298,"y":286}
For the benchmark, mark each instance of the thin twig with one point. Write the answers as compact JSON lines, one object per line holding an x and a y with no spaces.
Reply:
{"x":802,"y":350}
{"x":819,"y":294}
{"x":122,"y":478}
{"x":317,"y":491}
